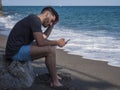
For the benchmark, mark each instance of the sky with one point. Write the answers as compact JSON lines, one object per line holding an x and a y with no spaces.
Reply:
{"x":61,"y":2}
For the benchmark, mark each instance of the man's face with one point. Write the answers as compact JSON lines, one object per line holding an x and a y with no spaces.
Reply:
{"x":49,"y":20}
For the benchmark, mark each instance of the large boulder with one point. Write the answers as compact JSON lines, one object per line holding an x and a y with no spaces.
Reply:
{"x":15,"y":75}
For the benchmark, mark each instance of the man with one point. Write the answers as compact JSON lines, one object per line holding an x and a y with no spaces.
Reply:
{"x":27,"y":41}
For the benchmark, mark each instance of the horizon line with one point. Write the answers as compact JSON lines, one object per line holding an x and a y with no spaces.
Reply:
{"x":60,"y":5}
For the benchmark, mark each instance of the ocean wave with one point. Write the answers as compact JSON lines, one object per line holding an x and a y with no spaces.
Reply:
{"x":7,"y":22}
{"x":90,"y":45}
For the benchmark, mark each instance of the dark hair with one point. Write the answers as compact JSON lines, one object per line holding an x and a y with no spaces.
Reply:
{"x":52,"y":11}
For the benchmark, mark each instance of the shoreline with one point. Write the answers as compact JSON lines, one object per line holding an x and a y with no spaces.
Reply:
{"x":86,"y":74}
{"x":99,"y":60}
{"x":76,"y":60}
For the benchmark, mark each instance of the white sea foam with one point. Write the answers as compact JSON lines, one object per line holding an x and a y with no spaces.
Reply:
{"x":7,"y":21}
{"x":91,"y":45}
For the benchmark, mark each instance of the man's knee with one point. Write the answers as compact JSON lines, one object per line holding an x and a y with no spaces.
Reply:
{"x":52,"y":49}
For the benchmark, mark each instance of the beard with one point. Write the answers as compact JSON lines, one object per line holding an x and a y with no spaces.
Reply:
{"x":46,"y":22}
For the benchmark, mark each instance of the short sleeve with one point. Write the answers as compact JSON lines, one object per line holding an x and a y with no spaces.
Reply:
{"x":35,"y":23}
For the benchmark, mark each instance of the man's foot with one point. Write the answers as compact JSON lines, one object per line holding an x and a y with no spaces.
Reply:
{"x":65,"y":76}
{"x":59,"y":78}
{"x":55,"y":84}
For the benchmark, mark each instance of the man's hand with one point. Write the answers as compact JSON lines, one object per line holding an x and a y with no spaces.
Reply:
{"x":62,"y":42}
{"x":48,"y":30}
{"x":51,"y":25}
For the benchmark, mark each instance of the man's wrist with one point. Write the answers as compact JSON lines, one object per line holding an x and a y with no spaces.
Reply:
{"x":57,"y":42}
{"x":51,"y":26}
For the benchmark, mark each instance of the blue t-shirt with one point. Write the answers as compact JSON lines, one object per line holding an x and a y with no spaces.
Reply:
{"x":22,"y":34}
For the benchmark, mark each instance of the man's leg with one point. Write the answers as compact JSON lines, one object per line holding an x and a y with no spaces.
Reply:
{"x":49,"y":52}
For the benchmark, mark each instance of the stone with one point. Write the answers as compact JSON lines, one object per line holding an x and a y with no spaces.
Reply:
{"x":16,"y":75}
{"x":65,"y":76}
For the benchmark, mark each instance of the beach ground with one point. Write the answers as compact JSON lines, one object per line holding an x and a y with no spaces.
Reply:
{"x":77,"y":72}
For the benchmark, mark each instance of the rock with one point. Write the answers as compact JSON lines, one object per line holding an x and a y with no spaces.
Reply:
{"x":65,"y":76}
{"x":16,"y":75}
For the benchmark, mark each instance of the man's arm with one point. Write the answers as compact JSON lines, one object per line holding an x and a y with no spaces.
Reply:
{"x":41,"y":41}
{"x":48,"y":31}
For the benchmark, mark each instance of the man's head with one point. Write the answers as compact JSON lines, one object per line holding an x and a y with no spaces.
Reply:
{"x":50,"y":16}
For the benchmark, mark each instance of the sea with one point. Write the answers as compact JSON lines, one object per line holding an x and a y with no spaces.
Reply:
{"x":94,"y":31}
